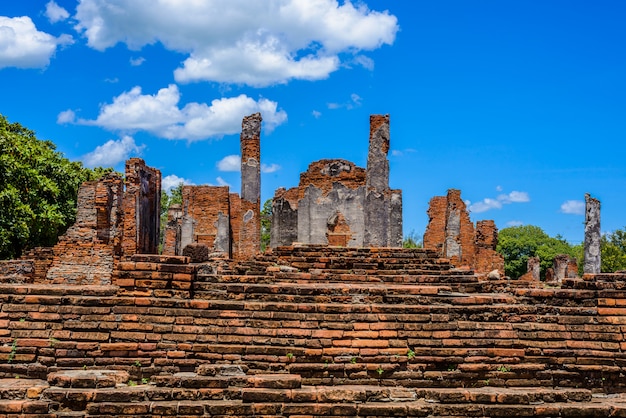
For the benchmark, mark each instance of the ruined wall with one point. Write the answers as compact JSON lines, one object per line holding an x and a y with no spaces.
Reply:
{"x":340,"y":204}
{"x":86,"y":253}
{"x":250,"y":230}
{"x":486,"y":257}
{"x":331,"y":190}
{"x":142,"y":207}
{"x":284,"y":230}
{"x":451,"y":232}
{"x":592,"y":262}
{"x":206,"y":213}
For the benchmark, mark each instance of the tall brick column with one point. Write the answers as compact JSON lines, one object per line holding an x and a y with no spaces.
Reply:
{"x":592,"y":235}
{"x":142,"y":208}
{"x":250,"y":230}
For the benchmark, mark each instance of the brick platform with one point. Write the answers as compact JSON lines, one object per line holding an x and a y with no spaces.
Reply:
{"x":313,"y":331}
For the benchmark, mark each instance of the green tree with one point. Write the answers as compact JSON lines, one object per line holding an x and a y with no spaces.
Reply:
{"x":175,"y":196}
{"x":518,"y":243}
{"x":38,"y":189}
{"x":412,"y":240}
{"x":266,"y":224}
{"x":613,"y":251}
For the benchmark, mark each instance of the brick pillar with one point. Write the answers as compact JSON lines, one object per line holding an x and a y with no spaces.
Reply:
{"x":142,"y":208}
{"x":250,"y":231}
{"x":383,"y":207}
{"x":592,"y":235}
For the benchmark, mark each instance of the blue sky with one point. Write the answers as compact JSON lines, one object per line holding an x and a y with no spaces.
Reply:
{"x":519,"y":104}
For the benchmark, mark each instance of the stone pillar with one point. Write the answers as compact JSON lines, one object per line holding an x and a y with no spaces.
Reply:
{"x":250,"y":232}
{"x":284,"y":217}
{"x":592,"y":235}
{"x":383,"y":207}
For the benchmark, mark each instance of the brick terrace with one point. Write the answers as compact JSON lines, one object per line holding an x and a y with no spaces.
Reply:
{"x":311,"y":331}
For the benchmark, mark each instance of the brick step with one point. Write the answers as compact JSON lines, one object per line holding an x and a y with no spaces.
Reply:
{"x":10,"y":291}
{"x":194,"y":380}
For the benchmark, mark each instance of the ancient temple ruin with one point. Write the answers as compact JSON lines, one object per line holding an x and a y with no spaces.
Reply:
{"x":337,"y":203}
{"x":101,"y":325}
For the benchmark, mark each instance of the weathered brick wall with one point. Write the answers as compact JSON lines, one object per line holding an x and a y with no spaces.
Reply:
{"x":323,"y":174}
{"x":487,"y":259}
{"x":42,"y":258}
{"x":235,"y":222}
{"x":284,"y":227}
{"x":208,"y":211}
{"x":17,"y":271}
{"x":86,"y":253}
{"x":451,"y":232}
{"x":142,"y":208}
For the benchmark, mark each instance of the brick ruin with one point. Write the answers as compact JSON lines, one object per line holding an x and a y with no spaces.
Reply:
{"x":451,"y":233}
{"x":337,"y":203}
{"x":315,"y":330}
{"x":212,"y":216}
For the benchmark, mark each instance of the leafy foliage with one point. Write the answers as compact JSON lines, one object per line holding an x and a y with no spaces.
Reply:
{"x":38,"y":190}
{"x":518,"y":243}
{"x":266,"y":224}
{"x":412,"y":240}
{"x":613,"y":251}
{"x":175,"y":196}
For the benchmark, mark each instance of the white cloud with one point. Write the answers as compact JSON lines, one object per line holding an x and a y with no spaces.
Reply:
{"x":172,"y":180}
{"x":55,"y":13}
{"x":222,"y":182}
{"x":160,"y":115}
{"x":316,"y":114}
{"x":23,"y":46}
{"x":573,"y":207}
{"x":67,"y":116}
{"x":229,"y":163}
{"x":363,"y":61}
{"x":400,"y":153}
{"x":269,"y":168}
{"x":355,"y":101}
{"x":514,"y":223}
{"x":502,"y":199}
{"x":112,"y":152}
{"x":498,"y":188}
{"x":257,"y":43}
{"x":136,"y":62}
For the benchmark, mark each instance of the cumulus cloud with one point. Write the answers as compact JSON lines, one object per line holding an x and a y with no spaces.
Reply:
{"x":229,"y":163}
{"x":112,"y":152}
{"x":23,"y":46}
{"x":240,"y":41}
{"x":497,"y":203}
{"x":514,"y":223}
{"x":172,"y":180}
{"x":55,"y":13}
{"x":67,"y":116}
{"x":160,"y":115}
{"x":233,"y":163}
{"x":269,"y":168}
{"x":573,"y":207}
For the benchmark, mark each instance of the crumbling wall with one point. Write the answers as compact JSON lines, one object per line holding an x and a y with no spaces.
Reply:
{"x":86,"y":253}
{"x":486,"y":257}
{"x":533,"y":270}
{"x":206,"y":211}
{"x":564,"y":267}
{"x":592,"y":262}
{"x":329,"y":189}
{"x":284,"y":230}
{"x":142,"y":207}
{"x":452,"y":234}
{"x":340,"y":204}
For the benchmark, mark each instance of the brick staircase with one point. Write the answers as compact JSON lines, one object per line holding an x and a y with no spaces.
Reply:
{"x":312,"y":331}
